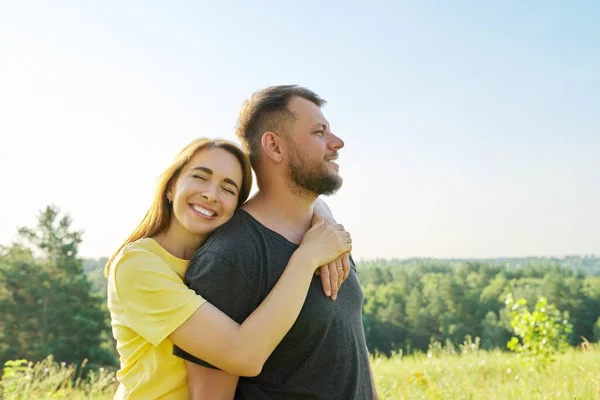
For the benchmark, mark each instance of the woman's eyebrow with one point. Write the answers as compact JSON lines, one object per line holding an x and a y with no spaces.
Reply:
{"x":210,"y":172}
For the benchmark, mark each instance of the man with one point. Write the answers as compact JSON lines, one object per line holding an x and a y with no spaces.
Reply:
{"x":324,"y":355}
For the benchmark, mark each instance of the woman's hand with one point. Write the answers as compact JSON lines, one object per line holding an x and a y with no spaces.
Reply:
{"x":323,"y":244}
{"x":334,"y":274}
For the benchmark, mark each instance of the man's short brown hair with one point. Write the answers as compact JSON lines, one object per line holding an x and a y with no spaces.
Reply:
{"x":267,"y":110}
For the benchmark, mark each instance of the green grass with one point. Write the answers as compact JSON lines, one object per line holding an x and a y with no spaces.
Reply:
{"x":477,"y":375}
{"x":50,"y":380}
{"x":489,"y":376}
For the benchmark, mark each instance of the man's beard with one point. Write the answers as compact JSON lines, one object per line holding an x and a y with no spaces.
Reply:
{"x":312,"y":175}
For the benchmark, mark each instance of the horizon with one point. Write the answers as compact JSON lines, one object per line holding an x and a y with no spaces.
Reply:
{"x":471,"y":129}
{"x":480,"y":259}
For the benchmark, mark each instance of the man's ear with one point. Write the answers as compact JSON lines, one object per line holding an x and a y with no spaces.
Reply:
{"x":272,"y":146}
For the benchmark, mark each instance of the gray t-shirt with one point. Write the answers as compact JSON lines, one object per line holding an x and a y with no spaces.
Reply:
{"x":323,"y":356}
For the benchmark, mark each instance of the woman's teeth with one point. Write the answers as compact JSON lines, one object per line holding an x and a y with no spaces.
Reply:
{"x":203,"y":211}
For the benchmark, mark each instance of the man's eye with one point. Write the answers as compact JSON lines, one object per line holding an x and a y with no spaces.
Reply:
{"x":320,"y":133}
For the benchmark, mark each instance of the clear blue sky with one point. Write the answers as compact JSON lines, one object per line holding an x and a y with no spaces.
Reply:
{"x":472,"y":129}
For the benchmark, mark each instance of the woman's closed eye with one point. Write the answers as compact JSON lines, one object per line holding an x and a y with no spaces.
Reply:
{"x":199,"y":177}
{"x":228,"y":190}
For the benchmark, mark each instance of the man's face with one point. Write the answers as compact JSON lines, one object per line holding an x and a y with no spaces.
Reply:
{"x":313,"y":149}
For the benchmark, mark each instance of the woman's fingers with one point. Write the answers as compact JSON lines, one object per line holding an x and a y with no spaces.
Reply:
{"x":325,"y":282}
{"x":334,"y":275}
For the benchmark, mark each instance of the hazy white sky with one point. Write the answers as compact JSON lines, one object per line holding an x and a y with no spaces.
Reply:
{"x":472,"y":128}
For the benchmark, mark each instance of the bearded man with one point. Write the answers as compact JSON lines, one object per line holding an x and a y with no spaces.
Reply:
{"x":324,"y":355}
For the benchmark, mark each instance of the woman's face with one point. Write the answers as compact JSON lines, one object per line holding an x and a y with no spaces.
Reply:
{"x":205,"y":194}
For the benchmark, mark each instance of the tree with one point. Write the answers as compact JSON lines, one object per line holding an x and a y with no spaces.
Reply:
{"x":383,"y":318}
{"x":493,"y":332}
{"x":46,"y":299}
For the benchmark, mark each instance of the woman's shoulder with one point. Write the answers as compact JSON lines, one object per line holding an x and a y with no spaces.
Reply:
{"x":143,"y":254}
{"x":144,"y":245}
{"x":140,"y":274}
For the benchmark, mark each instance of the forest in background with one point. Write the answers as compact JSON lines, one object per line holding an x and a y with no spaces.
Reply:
{"x":53,"y":302}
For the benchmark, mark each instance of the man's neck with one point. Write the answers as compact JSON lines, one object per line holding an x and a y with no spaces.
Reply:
{"x":283,"y":211}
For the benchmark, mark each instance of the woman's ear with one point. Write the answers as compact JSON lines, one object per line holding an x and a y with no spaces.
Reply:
{"x":272,"y":146}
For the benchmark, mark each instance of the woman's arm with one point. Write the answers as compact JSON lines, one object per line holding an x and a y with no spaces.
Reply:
{"x":322,"y":211}
{"x":213,"y":337}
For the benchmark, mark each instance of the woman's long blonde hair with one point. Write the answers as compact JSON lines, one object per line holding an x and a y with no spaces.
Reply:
{"x":158,"y":217}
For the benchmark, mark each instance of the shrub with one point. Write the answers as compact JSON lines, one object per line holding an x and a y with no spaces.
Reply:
{"x":541,"y":333}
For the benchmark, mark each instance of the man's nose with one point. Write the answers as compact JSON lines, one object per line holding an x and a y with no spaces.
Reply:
{"x":336,"y":142}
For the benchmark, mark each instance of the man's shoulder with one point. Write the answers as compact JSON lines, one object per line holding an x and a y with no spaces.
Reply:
{"x":233,"y":241}
{"x":232,"y":254}
{"x":239,"y":227}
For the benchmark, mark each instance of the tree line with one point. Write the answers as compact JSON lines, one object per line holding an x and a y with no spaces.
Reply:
{"x":54,"y":302}
{"x":411,"y":303}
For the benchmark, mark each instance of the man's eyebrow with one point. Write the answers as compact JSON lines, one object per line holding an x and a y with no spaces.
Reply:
{"x":210,"y":172}
{"x":321,"y":125}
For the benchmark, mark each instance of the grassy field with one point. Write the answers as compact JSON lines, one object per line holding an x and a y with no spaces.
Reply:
{"x":478,"y":375}
{"x":489,"y":376}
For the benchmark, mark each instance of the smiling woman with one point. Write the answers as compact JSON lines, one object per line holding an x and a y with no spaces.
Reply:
{"x":204,"y":196}
{"x":151,"y":307}
{"x":159,"y":217}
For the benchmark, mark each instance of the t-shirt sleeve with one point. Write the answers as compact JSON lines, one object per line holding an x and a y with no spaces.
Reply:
{"x":155,"y":299}
{"x":221,"y":284}
{"x":352,"y":263}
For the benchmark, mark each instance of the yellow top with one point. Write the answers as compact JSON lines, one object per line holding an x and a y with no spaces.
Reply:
{"x":148,"y":300}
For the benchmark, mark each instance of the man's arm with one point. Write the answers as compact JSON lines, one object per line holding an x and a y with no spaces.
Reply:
{"x":375,"y":395}
{"x":322,"y":211}
{"x":208,"y":383}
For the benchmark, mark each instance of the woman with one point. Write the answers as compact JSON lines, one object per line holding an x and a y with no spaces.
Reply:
{"x":151,"y":307}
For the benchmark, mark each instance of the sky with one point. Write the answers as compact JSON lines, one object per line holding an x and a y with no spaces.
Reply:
{"x":472,"y":128}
